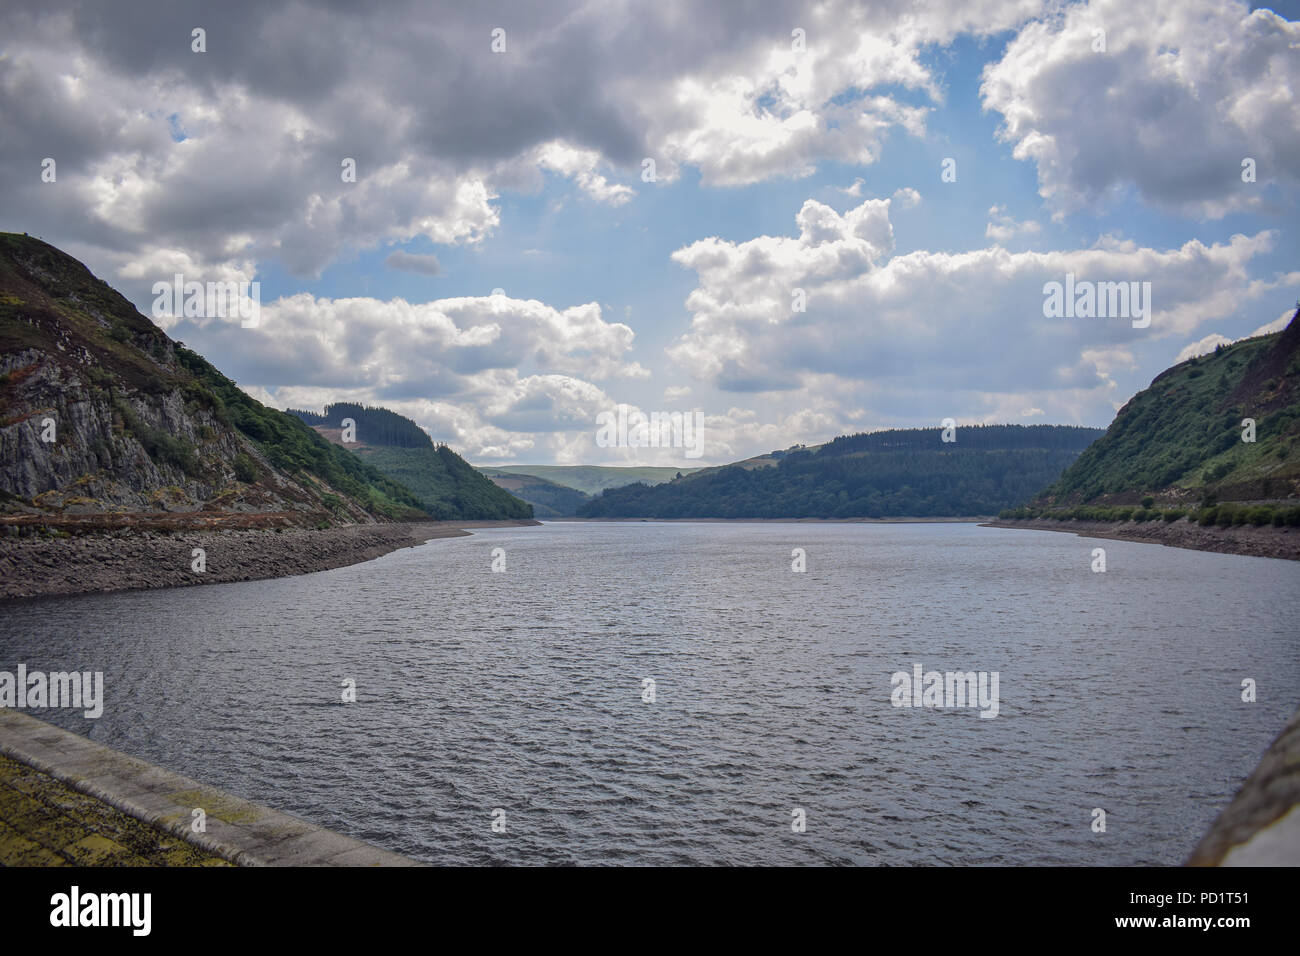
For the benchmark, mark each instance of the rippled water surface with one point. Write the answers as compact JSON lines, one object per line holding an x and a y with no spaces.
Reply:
{"x":523,"y":691}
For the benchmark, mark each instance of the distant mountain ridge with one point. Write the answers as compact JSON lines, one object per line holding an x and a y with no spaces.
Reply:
{"x":891,"y":473}
{"x":104,"y":417}
{"x":593,"y":479}
{"x":548,"y":498}
{"x":446,"y":485}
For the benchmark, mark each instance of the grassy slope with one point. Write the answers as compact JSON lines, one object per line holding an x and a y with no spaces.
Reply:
{"x":1180,"y":439}
{"x":447,"y":485}
{"x":293,"y":447}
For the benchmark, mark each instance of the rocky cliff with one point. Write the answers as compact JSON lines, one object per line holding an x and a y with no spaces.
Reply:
{"x":102,"y":414}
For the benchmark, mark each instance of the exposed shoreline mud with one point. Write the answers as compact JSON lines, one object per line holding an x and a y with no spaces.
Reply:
{"x":1260,"y":542}
{"x":32,"y":567}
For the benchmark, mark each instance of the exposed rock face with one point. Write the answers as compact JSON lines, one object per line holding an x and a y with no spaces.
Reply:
{"x":97,"y":460}
{"x":102,"y":413}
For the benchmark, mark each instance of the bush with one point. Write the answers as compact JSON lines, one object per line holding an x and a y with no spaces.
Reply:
{"x":245,"y":469}
{"x":1148,"y":501}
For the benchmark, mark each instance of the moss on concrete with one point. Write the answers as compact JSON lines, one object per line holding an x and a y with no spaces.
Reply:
{"x":44,"y":822}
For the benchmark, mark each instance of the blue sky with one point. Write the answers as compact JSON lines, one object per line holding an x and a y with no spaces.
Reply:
{"x":817,"y":169}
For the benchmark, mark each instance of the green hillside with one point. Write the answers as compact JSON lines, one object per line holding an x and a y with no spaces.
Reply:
{"x":896,"y":473}
{"x":1180,"y":441}
{"x":593,"y":479}
{"x":549,"y":500}
{"x":446,"y":485}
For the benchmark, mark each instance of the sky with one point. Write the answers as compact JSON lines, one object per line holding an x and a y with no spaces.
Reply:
{"x":798,"y":220}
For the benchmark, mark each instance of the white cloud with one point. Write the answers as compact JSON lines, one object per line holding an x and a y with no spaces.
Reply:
{"x":1277,"y":325}
{"x":1185,"y":90}
{"x":1202,"y":346}
{"x":581,"y":165}
{"x":1209,"y":343}
{"x":903,"y":330}
{"x":907,"y":197}
{"x":1002,"y":226}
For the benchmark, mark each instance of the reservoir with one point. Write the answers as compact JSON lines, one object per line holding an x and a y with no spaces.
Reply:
{"x":659,"y":693}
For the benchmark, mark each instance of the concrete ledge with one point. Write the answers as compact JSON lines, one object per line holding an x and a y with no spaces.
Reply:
{"x":1261,"y":826}
{"x":238,"y":830}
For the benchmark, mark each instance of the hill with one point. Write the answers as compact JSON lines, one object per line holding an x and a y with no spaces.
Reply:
{"x":895,"y":473}
{"x":447,"y":486}
{"x":104,"y":417}
{"x":549,"y":499}
{"x":593,"y":479}
{"x":1178,"y":444}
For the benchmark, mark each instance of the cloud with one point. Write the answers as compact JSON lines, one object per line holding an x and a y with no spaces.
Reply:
{"x":232,"y":155}
{"x":1209,"y":343}
{"x":496,"y":377}
{"x":1202,"y":346}
{"x":901,"y":332}
{"x":581,"y":165}
{"x":401,"y":350}
{"x":1184,"y":91}
{"x":907,"y":197}
{"x":1277,"y":325}
{"x":1002,"y":227}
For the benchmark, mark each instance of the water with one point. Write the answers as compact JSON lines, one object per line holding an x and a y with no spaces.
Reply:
{"x":523,"y":691}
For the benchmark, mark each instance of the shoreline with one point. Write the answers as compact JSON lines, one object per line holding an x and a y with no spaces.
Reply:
{"x":1261,"y":542}
{"x":34,"y":568}
{"x":967,"y":519}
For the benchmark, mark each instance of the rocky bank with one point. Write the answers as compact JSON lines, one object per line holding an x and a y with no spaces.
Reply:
{"x":1263,"y":542}
{"x":35,"y":566}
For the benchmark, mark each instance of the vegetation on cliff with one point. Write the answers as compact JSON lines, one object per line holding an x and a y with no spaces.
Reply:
{"x":1219,"y":428}
{"x":447,"y":486}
